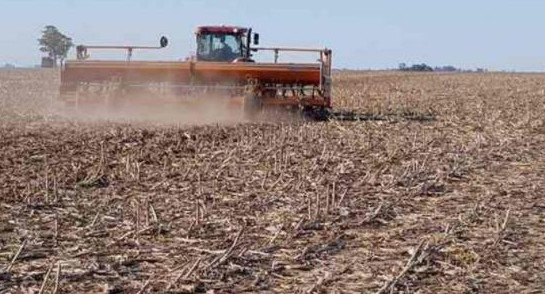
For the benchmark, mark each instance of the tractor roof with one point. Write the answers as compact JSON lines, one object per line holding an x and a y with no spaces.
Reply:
{"x":221,"y":30}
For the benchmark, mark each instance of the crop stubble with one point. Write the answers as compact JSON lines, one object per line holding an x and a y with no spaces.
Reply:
{"x":450,"y":205}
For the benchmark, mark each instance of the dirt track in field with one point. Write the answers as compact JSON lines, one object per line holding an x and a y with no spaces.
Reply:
{"x":453,"y":205}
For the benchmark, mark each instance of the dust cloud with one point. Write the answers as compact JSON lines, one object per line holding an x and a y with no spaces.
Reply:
{"x":172,"y":110}
{"x":196,"y":110}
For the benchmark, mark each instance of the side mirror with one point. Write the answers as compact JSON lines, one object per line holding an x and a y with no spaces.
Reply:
{"x":256,"y":39}
{"x":163,"y":42}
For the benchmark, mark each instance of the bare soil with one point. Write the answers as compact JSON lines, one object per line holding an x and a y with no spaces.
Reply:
{"x":452,"y":205}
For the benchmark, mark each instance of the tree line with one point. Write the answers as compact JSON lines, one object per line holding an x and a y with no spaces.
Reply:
{"x":422,"y":67}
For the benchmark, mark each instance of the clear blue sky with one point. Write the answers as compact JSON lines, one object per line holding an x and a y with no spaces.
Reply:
{"x":496,"y":34}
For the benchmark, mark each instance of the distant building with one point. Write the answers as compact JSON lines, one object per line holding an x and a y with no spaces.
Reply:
{"x":48,"y":62}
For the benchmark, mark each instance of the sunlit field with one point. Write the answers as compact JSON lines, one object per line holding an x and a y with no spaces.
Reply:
{"x":451,"y":204}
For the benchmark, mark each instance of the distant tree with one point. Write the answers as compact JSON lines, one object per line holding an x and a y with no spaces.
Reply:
{"x":421,"y":67}
{"x":9,"y":65}
{"x":55,"y":44}
{"x":415,"y":67}
{"x":446,"y":68}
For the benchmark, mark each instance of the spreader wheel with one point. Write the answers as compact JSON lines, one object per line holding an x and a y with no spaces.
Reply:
{"x":315,"y":113}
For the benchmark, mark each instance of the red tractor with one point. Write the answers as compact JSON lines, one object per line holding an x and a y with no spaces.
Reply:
{"x":223,"y":62}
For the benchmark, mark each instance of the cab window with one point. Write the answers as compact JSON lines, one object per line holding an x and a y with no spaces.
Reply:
{"x":218,"y":47}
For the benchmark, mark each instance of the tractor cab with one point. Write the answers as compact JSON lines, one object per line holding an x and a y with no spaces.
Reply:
{"x":225,"y":44}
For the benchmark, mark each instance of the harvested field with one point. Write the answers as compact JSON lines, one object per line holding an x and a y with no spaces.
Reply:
{"x":451,"y":205}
